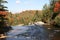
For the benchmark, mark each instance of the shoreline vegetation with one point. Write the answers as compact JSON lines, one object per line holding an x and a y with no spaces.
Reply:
{"x":36,"y":23}
{"x":27,"y":17}
{"x":49,"y":16}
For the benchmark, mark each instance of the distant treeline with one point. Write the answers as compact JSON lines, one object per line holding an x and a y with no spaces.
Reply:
{"x":25,"y":17}
{"x":49,"y":14}
{"x":31,"y":16}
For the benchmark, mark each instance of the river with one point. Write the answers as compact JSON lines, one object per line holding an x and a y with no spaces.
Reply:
{"x":32,"y":32}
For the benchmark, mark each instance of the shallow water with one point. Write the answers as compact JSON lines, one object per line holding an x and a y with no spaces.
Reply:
{"x":32,"y":32}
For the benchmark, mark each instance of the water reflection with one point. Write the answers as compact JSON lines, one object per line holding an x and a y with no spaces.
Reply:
{"x":54,"y":34}
{"x":2,"y":38}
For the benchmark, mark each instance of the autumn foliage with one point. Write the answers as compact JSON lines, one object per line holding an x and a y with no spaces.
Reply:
{"x":57,"y":7}
{"x":3,"y":13}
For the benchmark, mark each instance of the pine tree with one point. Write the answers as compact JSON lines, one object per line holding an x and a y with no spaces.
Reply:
{"x":2,"y":7}
{"x":3,"y":15}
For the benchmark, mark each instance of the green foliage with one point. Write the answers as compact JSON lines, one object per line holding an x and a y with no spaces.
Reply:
{"x":46,"y":17}
{"x":3,"y":17}
{"x":57,"y":20}
{"x":25,"y":17}
{"x":2,"y":7}
{"x":37,"y":16}
{"x":49,"y":16}
{"x":52,"y":8}
{"x":2,"y":12}
{"x":31,"y":16}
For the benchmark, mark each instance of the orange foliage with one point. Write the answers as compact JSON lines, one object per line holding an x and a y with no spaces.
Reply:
{"x":57,"y":7}
{"x":57,"y":4}
{"x":3,"y":13}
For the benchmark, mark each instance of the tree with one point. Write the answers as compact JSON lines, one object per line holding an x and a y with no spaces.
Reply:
{"x":2,"y":7}
{"x":54,"y":8}
{"x":46,"y":14}
{"x":3,"y":16}
{"x":57,"y":7}
{"x":36,"y":17}
{"x":57,"y":20}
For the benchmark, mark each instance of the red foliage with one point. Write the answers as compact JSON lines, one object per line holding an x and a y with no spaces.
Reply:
{"x":57,"y":4}
{"x":3,"y":13}
{"x":57,"y":7}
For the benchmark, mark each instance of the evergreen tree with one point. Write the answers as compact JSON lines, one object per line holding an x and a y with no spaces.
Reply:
{"x":36,"y":17}
{"x":3,"y":16}
{"x":46,"y":14}
{"x":2,"y":7}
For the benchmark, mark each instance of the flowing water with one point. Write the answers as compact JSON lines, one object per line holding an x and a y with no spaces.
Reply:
{"x":32,"y":32}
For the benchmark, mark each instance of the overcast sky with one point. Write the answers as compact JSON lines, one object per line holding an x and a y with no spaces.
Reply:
{"x":21,"y":5}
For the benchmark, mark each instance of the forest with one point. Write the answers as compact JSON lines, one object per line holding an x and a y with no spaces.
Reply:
{"x":49,"y":14}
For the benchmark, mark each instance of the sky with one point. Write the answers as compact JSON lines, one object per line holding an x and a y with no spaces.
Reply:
{"x":22,"y":5}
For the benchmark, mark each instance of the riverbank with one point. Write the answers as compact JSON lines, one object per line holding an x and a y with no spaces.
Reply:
{"x":2,"y":36}
{"x":17,"y":31}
